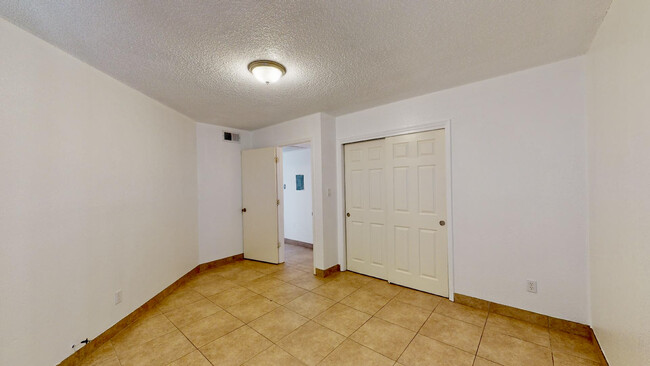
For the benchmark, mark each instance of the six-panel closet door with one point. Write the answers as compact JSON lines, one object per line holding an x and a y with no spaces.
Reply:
{"x":395,"y":194}
{"x":417,"y":211}
{"x":365,"y":201}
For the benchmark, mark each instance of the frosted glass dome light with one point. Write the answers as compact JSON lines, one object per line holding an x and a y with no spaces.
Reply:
{"x":266,"y":71}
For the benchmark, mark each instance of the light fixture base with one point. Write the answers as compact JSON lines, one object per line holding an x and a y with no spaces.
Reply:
{"x":267,"y":71}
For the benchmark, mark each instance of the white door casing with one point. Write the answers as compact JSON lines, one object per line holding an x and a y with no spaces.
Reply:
{"x":280,"y":202}
{"x":260,"y":201}
{"x":417,"y":211}
{"x":365,"y":197}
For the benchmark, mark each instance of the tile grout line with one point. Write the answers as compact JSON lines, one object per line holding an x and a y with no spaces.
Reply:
{"x":290,"y":282}
{"x":336,"y":302}
{"x":451,"y":345}
{"x":185,"y":336}
{"x":255,"y":330}
{"x":203,"y":297}
{"x":416,"y":333}
{"x":346,"y":337}
{"x":114,"y":352}
{"x":193,"y":345}
{"x":519,"y":338}
{"x":394,"y":297}
{"x":164,"y":314}
{"x":222,"y":309}
{"x":481,"y":338}
{"x":461,"y":320}
{"x":373,"y":315}
{"x":511,"y":335}
{"x":295,"y":330}
{"x":198,"y":348}
{"x":140,"y":344}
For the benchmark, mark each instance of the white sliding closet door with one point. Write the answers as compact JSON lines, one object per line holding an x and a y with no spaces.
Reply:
{"x":396,"y":210}
{"x":365,"y":201}
{"x":417,"y":211}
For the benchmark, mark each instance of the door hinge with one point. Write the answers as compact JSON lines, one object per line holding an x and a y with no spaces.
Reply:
{"x":278,"y":244}
{"x":276,"y":159}
{"x":278,"y":202}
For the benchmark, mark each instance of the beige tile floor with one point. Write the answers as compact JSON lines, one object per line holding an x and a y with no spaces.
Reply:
{"x":251,"y":313}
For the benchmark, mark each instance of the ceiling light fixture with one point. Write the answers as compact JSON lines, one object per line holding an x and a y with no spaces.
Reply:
{"x":267,"y":71}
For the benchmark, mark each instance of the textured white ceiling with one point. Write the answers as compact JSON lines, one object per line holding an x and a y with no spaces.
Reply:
{"x":341,"y":55}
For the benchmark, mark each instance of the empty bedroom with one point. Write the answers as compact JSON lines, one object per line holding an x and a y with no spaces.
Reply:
{"x":306,"y":182}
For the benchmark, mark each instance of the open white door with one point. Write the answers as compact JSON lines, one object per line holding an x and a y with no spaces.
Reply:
{"x":260,"y":204}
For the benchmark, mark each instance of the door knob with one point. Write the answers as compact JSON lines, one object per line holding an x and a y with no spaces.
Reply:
{"x":243,"y":209}
{"x":348,"y":214}
{"x":442,"y":223}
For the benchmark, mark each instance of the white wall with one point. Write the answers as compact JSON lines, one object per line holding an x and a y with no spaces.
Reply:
{"x":314,"y":128}
{"x":98,"y":192}
{"x":331,"y":213}
{"x":518,"y":183}
{"x":219,"y":192}
{"x":297,"y":204}
{"x":619,"y":181}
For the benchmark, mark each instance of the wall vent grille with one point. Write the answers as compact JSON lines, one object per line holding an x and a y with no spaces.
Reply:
{"x":231,"y":137}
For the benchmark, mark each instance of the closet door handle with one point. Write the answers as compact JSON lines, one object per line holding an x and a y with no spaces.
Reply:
{"x":442,"y":222}
{"x":348,"y":214}
{"x":243,"y":209}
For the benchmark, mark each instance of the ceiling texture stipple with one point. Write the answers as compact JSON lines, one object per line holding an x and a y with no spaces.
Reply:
{"x":341,"y":56}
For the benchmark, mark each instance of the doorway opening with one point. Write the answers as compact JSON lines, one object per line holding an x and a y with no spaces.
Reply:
{"x":298,"y":225}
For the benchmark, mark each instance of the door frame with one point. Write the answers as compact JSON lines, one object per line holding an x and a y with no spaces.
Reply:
{"x":313,"y":195}
{"x":444,"y":125}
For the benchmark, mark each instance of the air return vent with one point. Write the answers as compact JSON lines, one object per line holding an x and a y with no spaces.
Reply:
{"x":231,"y":137}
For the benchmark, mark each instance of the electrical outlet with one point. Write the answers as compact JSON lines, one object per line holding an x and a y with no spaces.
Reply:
{"x":531,"y":286}
{"x":118,"y":297}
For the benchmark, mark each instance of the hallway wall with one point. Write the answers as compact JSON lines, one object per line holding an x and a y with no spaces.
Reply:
{"x":298,"y":218}
{"x":619,"y":180}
